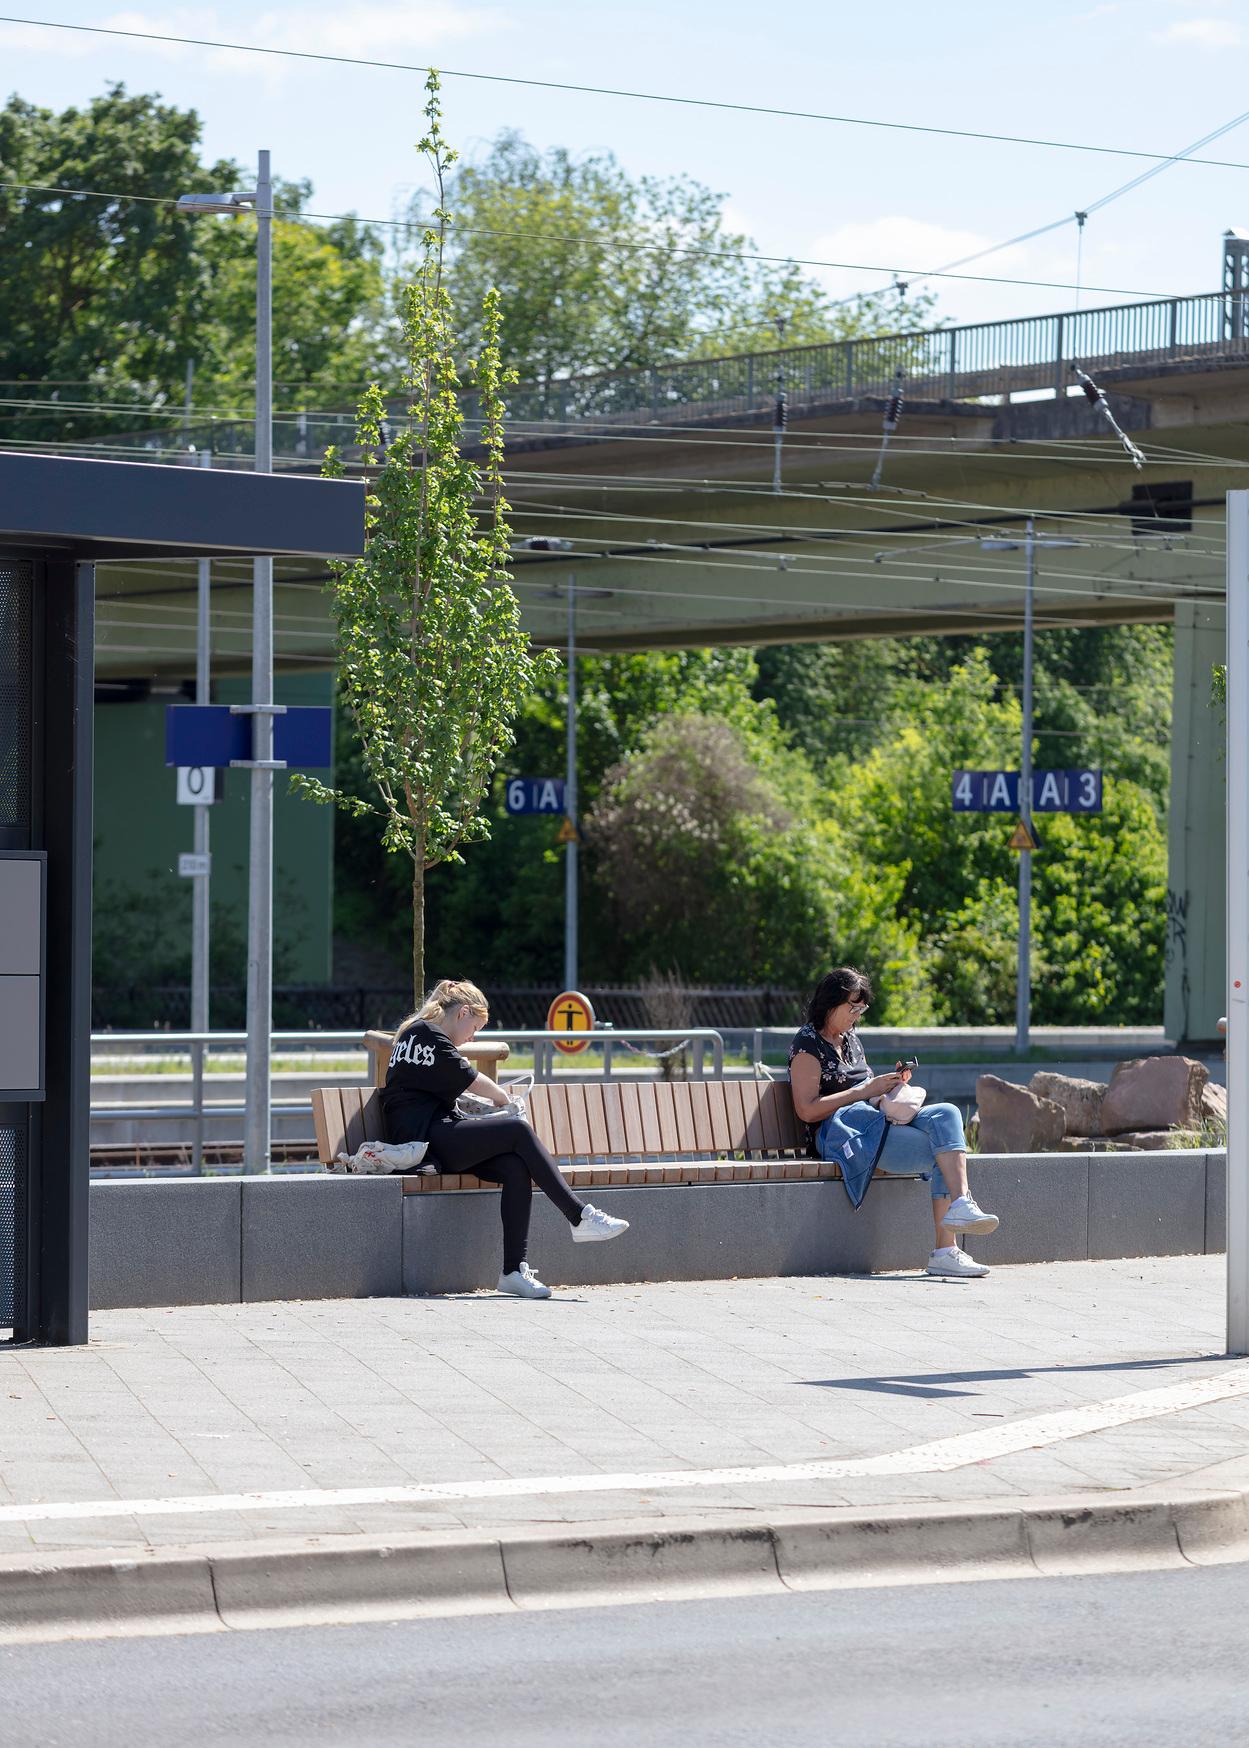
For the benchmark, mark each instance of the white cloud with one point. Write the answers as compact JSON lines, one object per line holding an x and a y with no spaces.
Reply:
{"x":901,"y":244}
{"x":1206,"y":33}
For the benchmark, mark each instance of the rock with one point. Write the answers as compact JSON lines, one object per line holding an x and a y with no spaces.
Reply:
{"x":1154,"y":1092}
{"x":1015,"y":1120}
{"x":1081,"y":1100}
{"x":1155,"y":1140}
{"x":1086,"y":1144}
{"x":1214,"y":1103}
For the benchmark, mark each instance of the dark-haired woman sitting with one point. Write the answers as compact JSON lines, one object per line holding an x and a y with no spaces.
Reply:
{"x":828,"y":1073}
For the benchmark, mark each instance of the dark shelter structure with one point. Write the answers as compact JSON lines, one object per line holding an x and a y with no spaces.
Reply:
{"x":58,"y":518}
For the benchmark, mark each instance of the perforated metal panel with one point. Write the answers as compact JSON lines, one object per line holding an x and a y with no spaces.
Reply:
{"x":12,"y":1220}
{"x":16,"y":595}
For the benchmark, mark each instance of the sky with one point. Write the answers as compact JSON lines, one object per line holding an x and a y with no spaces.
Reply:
{"x":1152,"y":75}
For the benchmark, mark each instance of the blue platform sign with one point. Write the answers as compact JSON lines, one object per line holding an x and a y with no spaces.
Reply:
{"x":1078,"y":791}
{"x":212,"y":735}
{"x":535,"y":795}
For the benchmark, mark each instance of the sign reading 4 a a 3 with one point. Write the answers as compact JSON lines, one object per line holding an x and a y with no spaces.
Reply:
{"x":1074,"y":791}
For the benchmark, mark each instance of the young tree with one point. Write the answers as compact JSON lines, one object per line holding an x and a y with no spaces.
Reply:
{"x":433,"y":664}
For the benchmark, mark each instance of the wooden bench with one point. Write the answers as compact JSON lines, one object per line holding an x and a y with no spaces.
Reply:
{"x":621,"y":1133}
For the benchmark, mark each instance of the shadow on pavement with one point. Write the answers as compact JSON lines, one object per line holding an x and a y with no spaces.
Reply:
{"x":930,"y":1383}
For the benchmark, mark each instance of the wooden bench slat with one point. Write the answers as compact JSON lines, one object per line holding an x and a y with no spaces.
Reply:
{"x":751,"y":1100}
{"x":613,"y":1120}
{"x":769,"y":1120}
{"x":683,"y":1107}
{"x":327,"y":1114}
{"x":736,"y":1114}
{"x":665,"y":1103}
{"x":631,"y":1118}
{"x":578,"y":1122}
{"x":648,"y":1104}
{"x":560,"y":1126}
{"x":700,"y":1110}
{"x":596,"y":1111}
{"x":717,"y":1112}
{"x":540,"y":1116}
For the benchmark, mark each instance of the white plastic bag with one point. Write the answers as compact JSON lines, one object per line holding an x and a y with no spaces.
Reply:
{"x":377,"y":1158}
{"x":518,"y":1088}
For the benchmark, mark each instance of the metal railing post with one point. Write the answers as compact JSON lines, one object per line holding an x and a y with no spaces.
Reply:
{"x":757,"y":1045}
{"x":697,"y":1063}
{"x":1060,"y":381}
{"x":717,"y":1056}
{"x":849,"y":350}
{"x":197,"y":1094}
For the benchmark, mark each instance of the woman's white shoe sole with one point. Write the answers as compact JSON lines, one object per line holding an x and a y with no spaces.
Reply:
{"x":986,"y":1223}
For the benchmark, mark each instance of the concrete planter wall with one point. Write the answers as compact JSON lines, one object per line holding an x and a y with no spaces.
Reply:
{"x":227,"y":1240}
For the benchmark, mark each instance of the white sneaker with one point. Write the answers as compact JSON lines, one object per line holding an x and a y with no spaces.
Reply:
{"x":522,"y":1283}
{"x":595,"y":1227}
{"x":957,"y":1265}
{"x":965,"y":1215}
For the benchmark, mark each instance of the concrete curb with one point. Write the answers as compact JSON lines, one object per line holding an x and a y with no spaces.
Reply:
{"x":315,"y":1581}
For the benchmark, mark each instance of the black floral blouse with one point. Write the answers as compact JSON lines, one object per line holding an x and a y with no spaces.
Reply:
{"x":839,"y":1069}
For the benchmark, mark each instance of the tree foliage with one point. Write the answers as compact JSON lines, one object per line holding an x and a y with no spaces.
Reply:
{"x":433,"y":663}
{"x":106,"y":301}
{"x":599,"y":270}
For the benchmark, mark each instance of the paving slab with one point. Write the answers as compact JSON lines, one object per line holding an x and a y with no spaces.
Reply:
{"x":596,"y":1406}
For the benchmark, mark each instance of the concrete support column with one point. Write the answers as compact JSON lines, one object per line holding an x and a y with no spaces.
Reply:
{"x":1196,"y":976}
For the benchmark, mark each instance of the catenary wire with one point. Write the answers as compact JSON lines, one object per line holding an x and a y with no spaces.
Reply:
{"x":612,"y":91}
{"x":666,"y":248}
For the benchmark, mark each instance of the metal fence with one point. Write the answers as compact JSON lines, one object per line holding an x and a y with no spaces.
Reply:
{"x":1030,"y":353}
{"x":322,"y":1008}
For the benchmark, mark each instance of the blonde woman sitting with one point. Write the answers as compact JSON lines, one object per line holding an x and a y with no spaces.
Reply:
{"x":426,"y":1076}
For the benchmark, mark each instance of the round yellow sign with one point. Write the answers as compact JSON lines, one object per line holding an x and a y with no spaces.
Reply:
{"x":571,"y":1013}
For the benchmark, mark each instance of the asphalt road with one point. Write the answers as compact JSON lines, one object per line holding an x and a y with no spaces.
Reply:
{"x":1142,"y":1659}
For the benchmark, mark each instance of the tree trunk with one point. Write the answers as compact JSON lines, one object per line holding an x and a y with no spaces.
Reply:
{"x":418,"y":935}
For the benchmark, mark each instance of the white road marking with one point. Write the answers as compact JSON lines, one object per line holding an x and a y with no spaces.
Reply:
{"x":935,"y":1458}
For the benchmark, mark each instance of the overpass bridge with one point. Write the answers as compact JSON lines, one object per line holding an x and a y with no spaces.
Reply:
{"x":661,"y":483}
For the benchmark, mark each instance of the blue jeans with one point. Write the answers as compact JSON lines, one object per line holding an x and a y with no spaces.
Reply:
{"x":914,"y":1146}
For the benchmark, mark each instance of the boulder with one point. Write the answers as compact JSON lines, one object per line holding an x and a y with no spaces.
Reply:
{"x":1081,"y":1100}
{"x":1214,"y":1103}
{"x":1015,"y":1120}
{"x":1154,"y":1092}
{"x":1155,"y":1140}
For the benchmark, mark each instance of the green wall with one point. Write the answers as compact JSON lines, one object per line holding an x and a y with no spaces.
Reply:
{"x":140,"y":830}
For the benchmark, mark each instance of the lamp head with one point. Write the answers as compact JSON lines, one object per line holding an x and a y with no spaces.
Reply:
{"x":202,"y":205}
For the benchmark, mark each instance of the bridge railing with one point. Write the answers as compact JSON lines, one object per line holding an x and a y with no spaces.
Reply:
{"x":982,"y":359}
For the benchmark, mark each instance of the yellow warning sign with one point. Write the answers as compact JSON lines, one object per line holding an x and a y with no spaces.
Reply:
{"x":567,"y":832}
{"x":571,"y":1013}
{"x":1021,"y":838}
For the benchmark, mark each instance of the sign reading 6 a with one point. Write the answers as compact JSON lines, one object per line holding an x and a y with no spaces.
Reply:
{"x":535,"y":795}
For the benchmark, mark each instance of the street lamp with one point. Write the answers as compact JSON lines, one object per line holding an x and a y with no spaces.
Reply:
{"x":1023,"y":975}
{"x":262,"y":764}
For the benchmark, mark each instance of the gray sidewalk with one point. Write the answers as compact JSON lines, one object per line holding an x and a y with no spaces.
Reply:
{"x":629,"y":1381}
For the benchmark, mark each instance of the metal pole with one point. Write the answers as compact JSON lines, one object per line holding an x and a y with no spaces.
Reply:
{"x":1023,"y":975}
{"x":1238,"y":922}
{"x":202,"y":883}
{"x":570,"y":799}
{"x":779,"y":417}
{"x":256,"y":1141}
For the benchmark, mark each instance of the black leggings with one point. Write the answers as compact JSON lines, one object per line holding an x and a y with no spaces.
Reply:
{"x":504,"y":1150}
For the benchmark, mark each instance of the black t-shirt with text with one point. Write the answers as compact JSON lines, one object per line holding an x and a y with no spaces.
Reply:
{"x":426,"y":1076}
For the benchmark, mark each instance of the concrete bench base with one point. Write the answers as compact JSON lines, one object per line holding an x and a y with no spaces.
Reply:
{"x":226,"y":1240}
